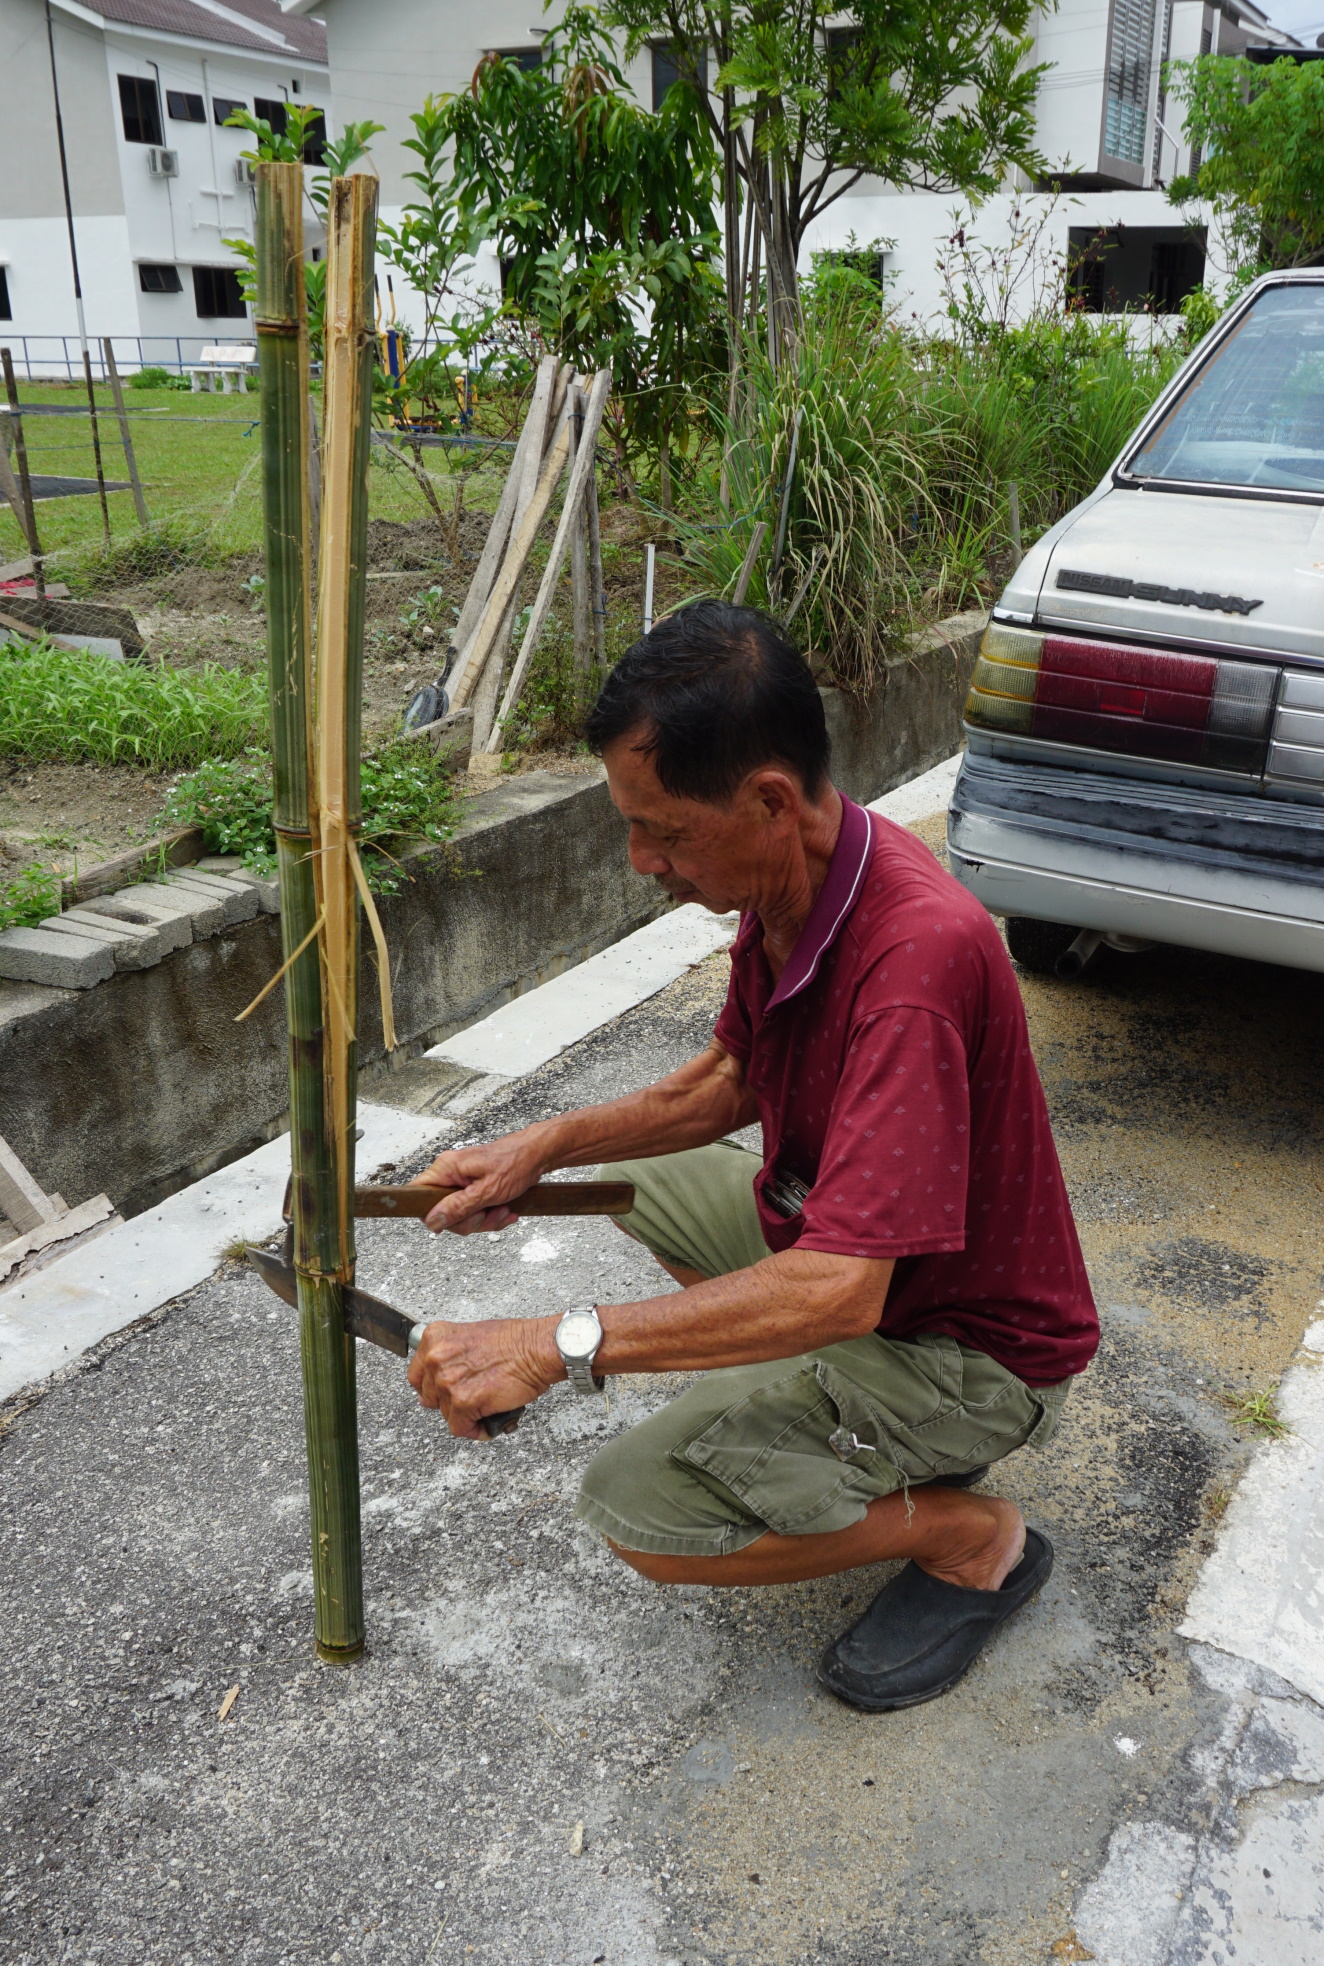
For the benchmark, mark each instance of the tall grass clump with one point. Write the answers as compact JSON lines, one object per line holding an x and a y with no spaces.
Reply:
{"x":859,"y":486}
{"x":141,"y":555}
{"x":64,"y":704}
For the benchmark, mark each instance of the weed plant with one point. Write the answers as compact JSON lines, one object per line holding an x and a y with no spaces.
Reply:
{"x":73,"y":706}
{"x":31,"y":897}
{"x":407,"y":803}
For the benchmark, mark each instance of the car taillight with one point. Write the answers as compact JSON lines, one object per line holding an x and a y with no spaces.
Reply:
{"x":1149,"y":703}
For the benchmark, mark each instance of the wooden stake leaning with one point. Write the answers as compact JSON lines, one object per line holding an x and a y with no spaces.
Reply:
{"x":108,"y":356}
{"x":579,"y":577}
{"x":330,"y":1420}
{"x":584,"y":465}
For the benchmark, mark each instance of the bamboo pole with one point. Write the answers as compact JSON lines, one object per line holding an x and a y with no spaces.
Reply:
{"x":327,"y":1351}
{"x":117,"y":392}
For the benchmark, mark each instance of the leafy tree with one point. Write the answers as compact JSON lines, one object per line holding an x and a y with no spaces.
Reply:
{"x":602,"y":214}
{"x":291,"y":146}
{"x":812,"y":96}
{"x":1260,"y":133}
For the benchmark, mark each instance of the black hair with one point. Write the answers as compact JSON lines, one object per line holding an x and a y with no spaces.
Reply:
{"x":714,"y":692}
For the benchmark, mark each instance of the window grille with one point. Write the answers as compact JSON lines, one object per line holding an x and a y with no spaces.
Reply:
{"x":1130,"y":53}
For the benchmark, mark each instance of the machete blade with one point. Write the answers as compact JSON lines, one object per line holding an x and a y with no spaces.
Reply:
{"x":366,"y":1317}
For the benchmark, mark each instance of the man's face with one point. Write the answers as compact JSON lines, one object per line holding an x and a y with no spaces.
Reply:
{"x":723,"y":856}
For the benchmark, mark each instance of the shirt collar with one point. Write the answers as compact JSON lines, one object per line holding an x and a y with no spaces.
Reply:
{"x":837,"y":896}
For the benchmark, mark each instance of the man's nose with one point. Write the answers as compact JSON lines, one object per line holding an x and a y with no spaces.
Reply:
{"x":646,"y":858}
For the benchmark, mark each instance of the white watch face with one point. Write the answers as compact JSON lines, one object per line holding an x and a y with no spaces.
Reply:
{"x":578,"y":1334}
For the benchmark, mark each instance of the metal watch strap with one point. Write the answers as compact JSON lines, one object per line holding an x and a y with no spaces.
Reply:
{"x":582,"y":1377}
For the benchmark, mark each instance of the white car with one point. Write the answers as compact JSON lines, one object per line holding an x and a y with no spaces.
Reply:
{"x":1146,"y":718}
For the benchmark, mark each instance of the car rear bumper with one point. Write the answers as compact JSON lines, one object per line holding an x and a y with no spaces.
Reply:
{"x":1210,"y":870}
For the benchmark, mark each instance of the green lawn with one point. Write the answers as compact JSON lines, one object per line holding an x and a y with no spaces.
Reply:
{"x":198,"y":460}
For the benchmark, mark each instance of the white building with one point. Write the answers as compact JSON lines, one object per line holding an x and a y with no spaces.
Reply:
{"x":156,"y":184}
{"x":1102,"y":125}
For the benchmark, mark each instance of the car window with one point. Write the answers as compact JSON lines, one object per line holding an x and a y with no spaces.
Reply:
{"x":1254,"y":414}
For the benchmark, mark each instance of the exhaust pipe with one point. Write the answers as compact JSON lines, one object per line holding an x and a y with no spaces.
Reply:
{"x":1075,"y":960}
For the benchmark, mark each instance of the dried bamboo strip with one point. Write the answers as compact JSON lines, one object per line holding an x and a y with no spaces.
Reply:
{"x":520,"y":548}
{"x":521,"y":483}
{"x":347,"y":387}
{"x":584,"y":463}
{"x":579,"y":591}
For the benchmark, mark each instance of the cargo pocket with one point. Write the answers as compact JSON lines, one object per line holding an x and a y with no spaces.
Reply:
{"x":770,"y":1450}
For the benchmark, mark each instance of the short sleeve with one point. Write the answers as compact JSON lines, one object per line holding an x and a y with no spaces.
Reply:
{"x":733,"y":1029}
{"x":894,"y":1172}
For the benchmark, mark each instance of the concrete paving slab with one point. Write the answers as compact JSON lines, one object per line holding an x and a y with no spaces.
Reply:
{"x":52,"y":1317}
{"x":62,"y":962}
{"x":531,"y":1029}
{"x":1261,"y":1594}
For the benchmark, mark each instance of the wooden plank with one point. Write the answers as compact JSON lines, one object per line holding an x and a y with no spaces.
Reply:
{"x":140,"y":503}
{"x":177,"y":848}
{"x":597,"y":402}
{"x":22,"y":1197}
{"x":581,"y":610}
{"x":521,"y":546}
{"x":99,"y":1213}
{"x":503,"y":518}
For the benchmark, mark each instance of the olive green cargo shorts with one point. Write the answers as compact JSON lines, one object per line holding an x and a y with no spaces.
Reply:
{"x":747,"y":1449}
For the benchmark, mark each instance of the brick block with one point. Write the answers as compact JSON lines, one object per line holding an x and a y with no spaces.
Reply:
{"x":133,"y":946}
{"x":266,"y":886}
{"x":238,"y":902}
{"x":204,"y":912}
{"x":64,"y":962}
{"x":172,"y":927}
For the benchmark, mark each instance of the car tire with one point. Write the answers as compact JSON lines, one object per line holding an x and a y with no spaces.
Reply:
{"x":1039,"y":946}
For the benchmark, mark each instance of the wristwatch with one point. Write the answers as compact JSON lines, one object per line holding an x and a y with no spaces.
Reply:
{"x":578,"y":1336}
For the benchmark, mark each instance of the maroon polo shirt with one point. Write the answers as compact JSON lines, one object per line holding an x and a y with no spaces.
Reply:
{"x":892,"y":1067}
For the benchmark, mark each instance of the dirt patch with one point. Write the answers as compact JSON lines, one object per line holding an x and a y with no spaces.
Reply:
{"x":56,"y":815}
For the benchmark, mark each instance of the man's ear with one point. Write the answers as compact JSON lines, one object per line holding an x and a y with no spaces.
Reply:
{"x":778,"y":794}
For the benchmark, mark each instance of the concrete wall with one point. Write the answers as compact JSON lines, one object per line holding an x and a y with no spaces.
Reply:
{"x":145,"y":1082}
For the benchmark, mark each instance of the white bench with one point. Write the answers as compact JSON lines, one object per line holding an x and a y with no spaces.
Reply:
{"x":230,"y":363}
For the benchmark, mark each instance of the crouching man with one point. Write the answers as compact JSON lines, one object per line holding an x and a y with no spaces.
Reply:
{"x":887,"y":1298}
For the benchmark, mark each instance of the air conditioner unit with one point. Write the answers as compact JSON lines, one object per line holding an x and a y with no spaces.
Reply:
{"x":163,"y":163}
{"x":245,"y":173}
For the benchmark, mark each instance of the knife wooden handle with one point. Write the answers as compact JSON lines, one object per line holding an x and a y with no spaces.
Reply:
{"x":547,"y":1198}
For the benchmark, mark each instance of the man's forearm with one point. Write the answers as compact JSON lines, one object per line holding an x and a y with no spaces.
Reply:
{"x":785,"y":1305}
{"x":698,"y":1104}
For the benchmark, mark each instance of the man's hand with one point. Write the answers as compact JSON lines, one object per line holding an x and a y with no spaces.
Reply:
{"x":467,"y":1371}
{"x":488,"y":1177}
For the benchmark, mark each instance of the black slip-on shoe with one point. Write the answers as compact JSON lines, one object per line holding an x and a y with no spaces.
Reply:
{"x":919,"y":1635}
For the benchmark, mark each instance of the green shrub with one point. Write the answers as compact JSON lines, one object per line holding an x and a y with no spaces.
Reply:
{"x":406,"y":802}
{"x":158,"y":378}
{"x":140,"y":555}
{"x":31,"y":897}
{"x":67,"y":704}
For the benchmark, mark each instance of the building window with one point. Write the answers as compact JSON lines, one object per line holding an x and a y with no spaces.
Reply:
{"x":159,"y":279}
{"x":526,"y":58}
{"x":314,"y":142}
{"x":1136,"y":269}
{"x":223,"y":109}
{"x":6,"y":311}
{"x":182,"y":108}
{"x":217,"y":294}
{"x":1130,"y":58}
{"x":270,"y":112}
{"x":667,"y":69}
{"x":140,"y":108}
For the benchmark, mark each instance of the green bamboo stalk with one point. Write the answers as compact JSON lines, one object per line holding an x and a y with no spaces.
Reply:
{"x":330,"y":1416}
